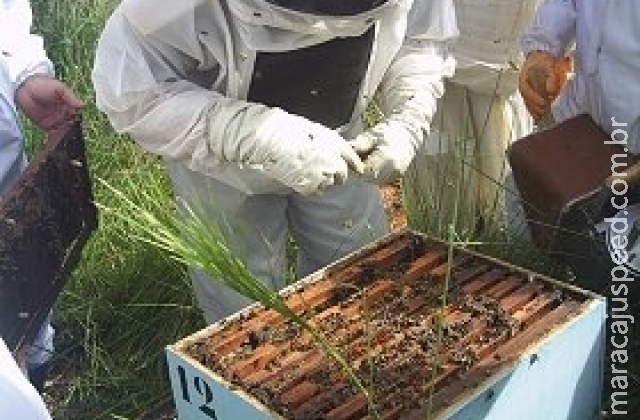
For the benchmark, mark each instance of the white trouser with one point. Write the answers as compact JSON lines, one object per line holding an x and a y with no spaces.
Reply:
{"x":325,"y":227}
{"x":41,"y":350}
{"x":19,"y":400}
{"x":464,"y":159}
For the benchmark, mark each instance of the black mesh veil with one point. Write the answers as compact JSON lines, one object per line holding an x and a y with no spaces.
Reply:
{"x":330,"y":7}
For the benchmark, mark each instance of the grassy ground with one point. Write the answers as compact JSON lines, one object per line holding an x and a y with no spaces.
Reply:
{"x":126,"y":301}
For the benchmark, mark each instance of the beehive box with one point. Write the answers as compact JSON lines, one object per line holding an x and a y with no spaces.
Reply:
{"x":504,"y":344}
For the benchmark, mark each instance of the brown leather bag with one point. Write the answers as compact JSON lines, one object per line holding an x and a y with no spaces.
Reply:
{"x":562,"y":174}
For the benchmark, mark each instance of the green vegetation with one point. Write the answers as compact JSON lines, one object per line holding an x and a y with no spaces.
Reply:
{"x":127,"y":300}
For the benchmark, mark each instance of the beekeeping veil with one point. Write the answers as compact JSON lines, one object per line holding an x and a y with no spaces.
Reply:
{"x":329,"y":7}
{"x":320,"y":54}
{"x":338,"y":17}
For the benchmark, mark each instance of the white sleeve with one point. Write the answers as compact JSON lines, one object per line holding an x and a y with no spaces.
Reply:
{"x":141,"y":83}
{"x":22,"y":51}
{"x":19,"y":400}
{"x":553,"y":28}
{"x":414,"y":81}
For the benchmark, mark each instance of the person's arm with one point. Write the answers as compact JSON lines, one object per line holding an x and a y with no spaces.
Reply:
{"x":545,"y":44}
{"x":553,"y":29}
{"x":409,"y":91}
{"x":23,"y":52}
{"x":45,"y":100}
{"x":141,"y":83}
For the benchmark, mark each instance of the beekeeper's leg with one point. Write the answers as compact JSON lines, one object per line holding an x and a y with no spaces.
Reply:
{"x":255,"y":230}
{"x":39,"y":355}
{"x":440,"y":174}
{"x":18,"y":399}
{"x":490,"y":132}
{"x":328,"y":226}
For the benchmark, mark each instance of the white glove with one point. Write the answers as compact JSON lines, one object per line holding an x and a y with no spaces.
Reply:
{"x":305,"y":156}
{"x":407,"y":96}
{"x":389,"y":147}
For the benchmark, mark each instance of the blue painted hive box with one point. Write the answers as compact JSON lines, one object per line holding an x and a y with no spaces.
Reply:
{"x":430,"y":331}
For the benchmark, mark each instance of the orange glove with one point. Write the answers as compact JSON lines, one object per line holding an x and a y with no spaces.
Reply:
{"x":541,"y":79}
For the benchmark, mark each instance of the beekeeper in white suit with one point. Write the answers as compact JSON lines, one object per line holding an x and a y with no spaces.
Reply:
{"x":607,"y":42}
{"x":606,"y":86}
{"x":480,"y":114}
{"x":27,"y":85}
{"x":256,"y":106}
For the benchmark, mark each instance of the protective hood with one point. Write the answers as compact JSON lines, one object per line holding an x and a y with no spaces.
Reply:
{"x":329,"y":7}
{"x":310,"y":18}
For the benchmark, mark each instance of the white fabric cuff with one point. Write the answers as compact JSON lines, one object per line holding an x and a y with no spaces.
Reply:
{"x":44,"y":68}
{"x":26,"y":59}
{"x":530,"y":45}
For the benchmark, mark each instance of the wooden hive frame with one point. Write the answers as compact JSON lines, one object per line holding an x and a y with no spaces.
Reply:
{"x":45,"y":220}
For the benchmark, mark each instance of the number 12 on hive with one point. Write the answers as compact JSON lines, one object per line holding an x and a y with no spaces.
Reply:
{"x":197,"y":391}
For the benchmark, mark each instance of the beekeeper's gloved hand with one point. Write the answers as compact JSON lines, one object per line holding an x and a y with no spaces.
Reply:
{"x":305,"y":156}
{"x":388,"y":148}
{"x":541,"y":79}
{"x":407,"y":98}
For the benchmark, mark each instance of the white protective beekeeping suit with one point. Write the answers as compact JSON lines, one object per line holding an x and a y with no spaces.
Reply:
{"x":480,"y":114}
{"x":607,"y":59}
{"x":20,"y":400}
{"x":225,"y":92}
{"x":21,"y":55}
